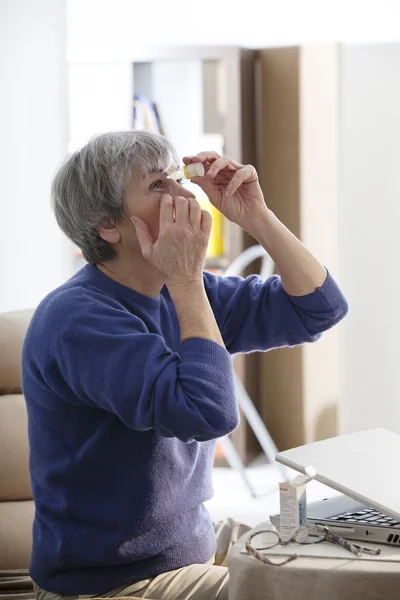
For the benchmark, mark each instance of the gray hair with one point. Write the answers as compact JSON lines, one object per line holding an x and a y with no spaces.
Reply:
{"x":89,"y":186}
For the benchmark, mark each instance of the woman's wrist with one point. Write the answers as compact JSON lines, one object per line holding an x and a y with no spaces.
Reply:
{"x":261,"y":225}
{"x":181,"y":287}
{"x":194,"y":312}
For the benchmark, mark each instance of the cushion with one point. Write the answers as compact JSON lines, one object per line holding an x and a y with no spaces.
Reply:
{"x":16,"y":519}
{"x":14,"y":449}
{"x":13,"y":327}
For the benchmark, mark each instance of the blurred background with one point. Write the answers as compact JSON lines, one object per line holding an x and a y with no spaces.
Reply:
{"x":307,"y":90}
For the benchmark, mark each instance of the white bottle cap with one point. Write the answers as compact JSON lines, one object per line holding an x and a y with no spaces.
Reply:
{"x":193,"y":170}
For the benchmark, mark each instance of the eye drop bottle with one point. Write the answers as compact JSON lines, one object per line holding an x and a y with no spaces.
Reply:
{"x":188,"y":171}
{"x":293,"y":506}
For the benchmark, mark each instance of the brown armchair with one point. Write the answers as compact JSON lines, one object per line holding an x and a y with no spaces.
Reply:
{"x":16,"y":502}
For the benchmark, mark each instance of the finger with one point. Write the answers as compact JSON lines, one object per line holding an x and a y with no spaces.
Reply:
{"x":194,"y":213}
{"x":144,"y":237}
{"x":217,"y":166}
{"x":206,"y":222}
{"x":221,"y":164}
{"x":247,"y":173}
{"x":206,"y":185}
{"x":166,"y":211}
{"x":201,"y":157}
{"x":181,"y":211}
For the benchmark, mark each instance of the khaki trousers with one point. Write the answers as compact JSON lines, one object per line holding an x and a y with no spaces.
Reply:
{"x":196,"y":582}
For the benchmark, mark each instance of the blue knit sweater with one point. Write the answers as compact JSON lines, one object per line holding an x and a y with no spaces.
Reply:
{"x":123,"y":419}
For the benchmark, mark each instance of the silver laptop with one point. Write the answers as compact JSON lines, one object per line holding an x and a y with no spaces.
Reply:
{"x":364,"y":467}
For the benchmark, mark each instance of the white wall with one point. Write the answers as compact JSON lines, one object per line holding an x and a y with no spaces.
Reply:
{"x":99,"y":99}
{"x":369,"y":235}
{"x":33,"y":139}
{"x":111,"y":28}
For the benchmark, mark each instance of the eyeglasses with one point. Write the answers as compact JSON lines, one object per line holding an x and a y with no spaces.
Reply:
{"x":273,"y":539}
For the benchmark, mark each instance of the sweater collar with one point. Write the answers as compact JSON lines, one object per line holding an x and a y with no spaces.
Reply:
{"x":118,"y":290}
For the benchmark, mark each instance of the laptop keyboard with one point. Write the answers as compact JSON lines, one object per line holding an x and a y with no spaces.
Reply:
{"x":366,"y":517}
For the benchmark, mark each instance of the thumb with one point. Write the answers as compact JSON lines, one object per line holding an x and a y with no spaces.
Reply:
{"x":143,"y":235}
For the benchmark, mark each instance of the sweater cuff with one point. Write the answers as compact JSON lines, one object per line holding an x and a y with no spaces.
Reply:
{"x":326,"y":298}
{"x":205,"y":352}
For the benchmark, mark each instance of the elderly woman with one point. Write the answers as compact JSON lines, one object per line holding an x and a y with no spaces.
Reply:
{"x":127,"y":367}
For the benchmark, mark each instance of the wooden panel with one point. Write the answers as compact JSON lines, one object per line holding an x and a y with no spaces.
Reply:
{"x":248,"y":126}
{"x":278,"y":123}
{"x":248,"y":106}
{"x":279,"y":169}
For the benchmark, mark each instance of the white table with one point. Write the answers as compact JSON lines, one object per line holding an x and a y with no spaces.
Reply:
{"x":328,"y":575}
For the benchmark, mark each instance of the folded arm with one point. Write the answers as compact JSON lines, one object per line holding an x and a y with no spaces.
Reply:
{"x":108,"y":359}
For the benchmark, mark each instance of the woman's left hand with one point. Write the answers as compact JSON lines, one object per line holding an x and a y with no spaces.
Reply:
{"x":232,"y":188}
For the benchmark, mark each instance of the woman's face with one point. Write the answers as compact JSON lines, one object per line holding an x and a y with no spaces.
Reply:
{"x":142,"y":199}
{"x":143,"y":196}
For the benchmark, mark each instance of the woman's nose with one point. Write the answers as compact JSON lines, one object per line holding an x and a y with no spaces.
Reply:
{"x":175,"y":189}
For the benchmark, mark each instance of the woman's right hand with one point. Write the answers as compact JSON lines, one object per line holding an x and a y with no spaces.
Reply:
{"x":179,"y":253}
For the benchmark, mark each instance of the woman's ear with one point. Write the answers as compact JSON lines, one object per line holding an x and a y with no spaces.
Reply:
{"x":109,"y":233}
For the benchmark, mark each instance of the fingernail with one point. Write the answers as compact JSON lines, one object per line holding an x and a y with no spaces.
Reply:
{"x":227,"y":193}
{"x":133,"y":221}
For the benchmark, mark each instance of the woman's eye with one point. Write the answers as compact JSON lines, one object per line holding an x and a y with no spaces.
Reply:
{"x":158,"y":185}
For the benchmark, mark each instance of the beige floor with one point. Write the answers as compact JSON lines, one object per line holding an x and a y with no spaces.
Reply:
{"x":232,"y":498}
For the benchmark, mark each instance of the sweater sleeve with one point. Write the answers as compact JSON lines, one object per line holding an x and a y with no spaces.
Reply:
{"x":253,"y":314}
{"x":108,"y":359}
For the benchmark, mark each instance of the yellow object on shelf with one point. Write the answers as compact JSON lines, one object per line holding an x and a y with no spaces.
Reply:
{"x":216,"y":243}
